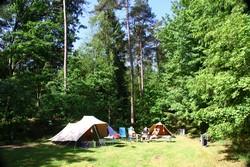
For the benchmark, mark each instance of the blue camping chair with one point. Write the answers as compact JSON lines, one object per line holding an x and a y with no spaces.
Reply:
{"x":122,"y":132}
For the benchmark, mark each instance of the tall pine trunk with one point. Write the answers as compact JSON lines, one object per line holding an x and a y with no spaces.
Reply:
{"x":65,"y":47}
{"x":132,"y":119}
{"x":142,"y":72}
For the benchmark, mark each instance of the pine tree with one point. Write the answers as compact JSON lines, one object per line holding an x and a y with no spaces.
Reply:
{"x":109,"y":42}
{"x":143,"y":22}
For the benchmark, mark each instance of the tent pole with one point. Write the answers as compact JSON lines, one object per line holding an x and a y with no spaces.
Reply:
{"x":96,"y":132}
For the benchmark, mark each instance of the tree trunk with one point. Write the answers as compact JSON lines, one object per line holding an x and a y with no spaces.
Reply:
{"x":38,"y":95}
{"x":138,"y":75}
{"x":11,"y":66}
{"x":109,"y":116}
{"x":132,"y":120}
{"x":142,"y":72}
{"x":65,"y":47}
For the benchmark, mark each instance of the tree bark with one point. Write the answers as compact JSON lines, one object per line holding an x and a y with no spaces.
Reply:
{"x":65,"y":47}
{"x":142,"y":71}
{"x":132,"y":120}
{"x":139,"y":75}
{"x":38,"y":95}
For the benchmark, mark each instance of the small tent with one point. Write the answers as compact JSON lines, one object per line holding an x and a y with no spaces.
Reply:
{"x":88,"y":128}
{"x":163,"y":129}
{"x":112,"y":133}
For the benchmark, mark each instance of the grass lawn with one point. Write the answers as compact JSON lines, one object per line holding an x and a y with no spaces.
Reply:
{"x":185,"y":152}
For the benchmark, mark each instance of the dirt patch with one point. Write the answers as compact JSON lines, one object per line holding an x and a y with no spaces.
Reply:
{"x":157,"y":160}
{"x":157,"y":157}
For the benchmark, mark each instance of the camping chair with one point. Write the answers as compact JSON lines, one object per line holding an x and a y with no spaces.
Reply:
{"x":145,"y":137}
{"x":122,"y":132}
{"x":131,"y":134}
{"x":145,"y":134}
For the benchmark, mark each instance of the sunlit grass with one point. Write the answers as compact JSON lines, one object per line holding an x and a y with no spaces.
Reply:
{"x":183,"y":152}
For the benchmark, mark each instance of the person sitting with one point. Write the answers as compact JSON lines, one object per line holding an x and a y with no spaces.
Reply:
{"x":145,"y":134}
{"x":154,"y":134}
{"x":131,"y":133}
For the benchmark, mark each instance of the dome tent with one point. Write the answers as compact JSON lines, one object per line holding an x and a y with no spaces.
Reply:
{"x":163,"y":130}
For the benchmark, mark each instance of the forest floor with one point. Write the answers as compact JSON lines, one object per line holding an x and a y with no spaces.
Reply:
{"x":183,"y":151}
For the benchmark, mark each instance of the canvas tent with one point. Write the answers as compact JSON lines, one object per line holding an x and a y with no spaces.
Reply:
{"x":163,"y":129}
{"x":87,"y":129}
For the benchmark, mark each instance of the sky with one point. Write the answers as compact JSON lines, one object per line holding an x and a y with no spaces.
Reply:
{"x":159,"y":7}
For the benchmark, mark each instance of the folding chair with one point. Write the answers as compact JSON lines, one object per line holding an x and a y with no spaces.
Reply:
{"x":131,"y":134}
{"x":122,"y":132}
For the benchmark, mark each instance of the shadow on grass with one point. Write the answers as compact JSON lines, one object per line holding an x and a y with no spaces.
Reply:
{"x":43,"y":155}
{"x":163,"y":141}
{"x":194,"y":136}
{"x":239,"y":149}
{"x":120,"y":145}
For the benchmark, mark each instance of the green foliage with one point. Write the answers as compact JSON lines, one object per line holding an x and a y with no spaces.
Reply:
{"x":30,"y":53}
{"x":92,"y":90}
{"x":145,"y":114}
{"x":207,"y":64}
{"x":109,"y":45}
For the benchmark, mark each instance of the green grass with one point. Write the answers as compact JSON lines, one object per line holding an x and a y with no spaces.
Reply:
{"x":184,"y":152}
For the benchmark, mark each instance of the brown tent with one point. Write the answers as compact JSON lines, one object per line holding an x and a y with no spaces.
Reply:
{"x":163,"y":129}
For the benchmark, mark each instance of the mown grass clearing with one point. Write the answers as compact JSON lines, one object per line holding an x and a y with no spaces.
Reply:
{"x":183,"y":152}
